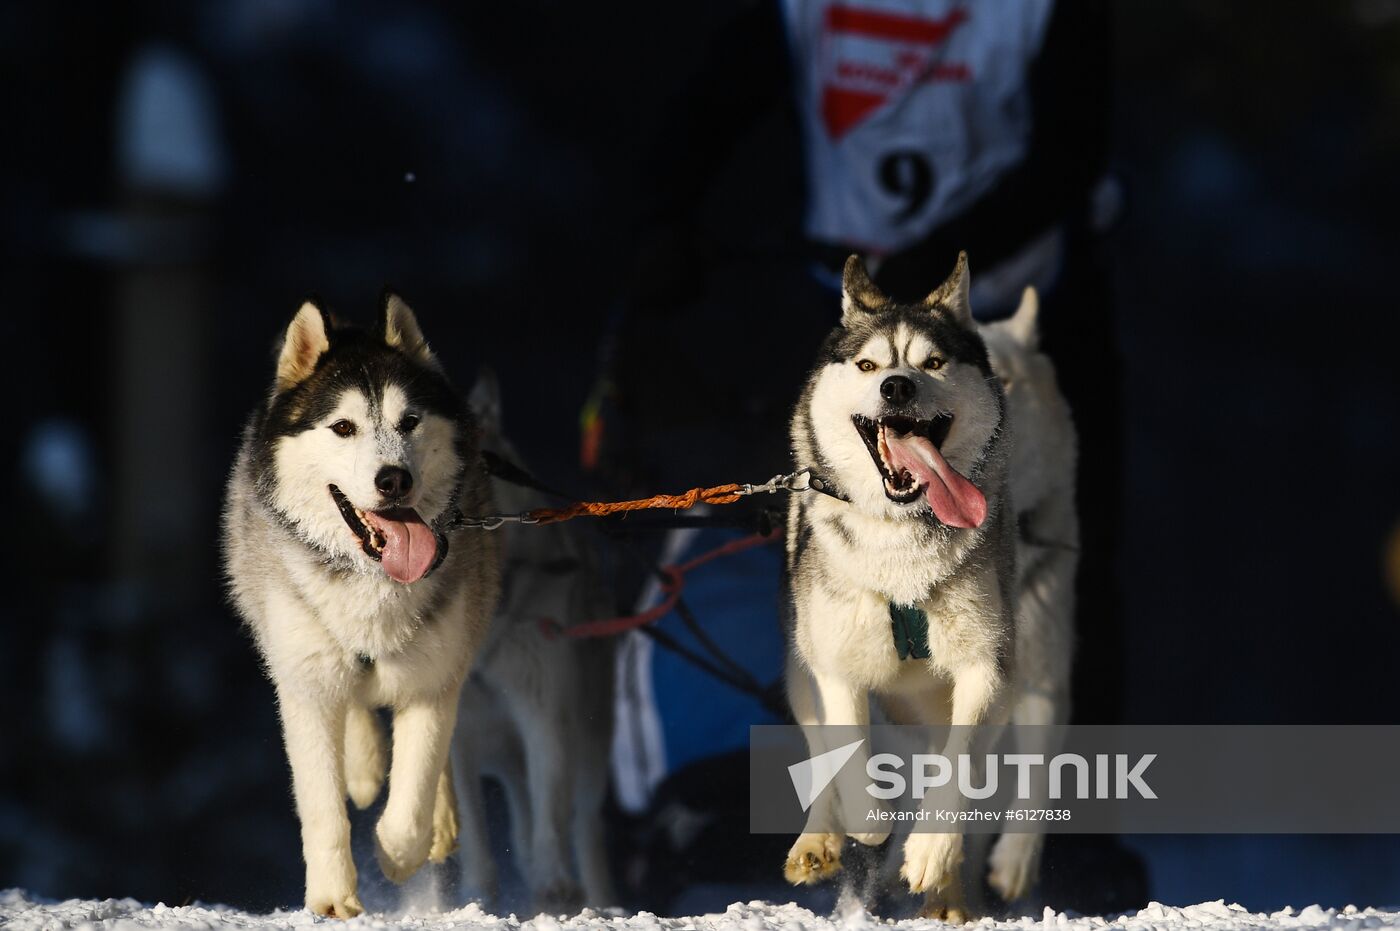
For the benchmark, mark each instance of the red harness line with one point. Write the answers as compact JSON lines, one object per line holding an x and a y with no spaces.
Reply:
{"x":672,"y":587}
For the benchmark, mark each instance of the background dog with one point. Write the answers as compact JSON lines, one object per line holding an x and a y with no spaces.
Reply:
{"x":536,"y":712}
{"x":343,"y":556}
{"x":1043,"y":460}
{"x":904,"y":418}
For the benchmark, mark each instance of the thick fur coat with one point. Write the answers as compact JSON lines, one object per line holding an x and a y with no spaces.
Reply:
{"x":343,"y":556}
{"x":904,"y":418}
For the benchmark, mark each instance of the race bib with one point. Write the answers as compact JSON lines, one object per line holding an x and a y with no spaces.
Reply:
{"x":911,"y":109}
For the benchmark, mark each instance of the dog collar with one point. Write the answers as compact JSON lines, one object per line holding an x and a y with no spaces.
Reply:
{"x":909,"y":627}
{"x":448,"y":520}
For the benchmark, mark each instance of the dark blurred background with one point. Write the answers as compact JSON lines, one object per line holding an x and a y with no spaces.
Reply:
{"x":567,"y":190}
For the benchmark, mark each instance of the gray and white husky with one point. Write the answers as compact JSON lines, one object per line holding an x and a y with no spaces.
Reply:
{"x":904,"y":418}
{"x":343,"y":555}
{"x":536,"y":712}
{"x":1043,"y":462}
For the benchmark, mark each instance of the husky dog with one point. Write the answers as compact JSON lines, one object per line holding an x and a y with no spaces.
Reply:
{"x":536,"y":712}
{"x":1043,"y":464}
{"x":343,"y":555}
{"x":905,"y":420}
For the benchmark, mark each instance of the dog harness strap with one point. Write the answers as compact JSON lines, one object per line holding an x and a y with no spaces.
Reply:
{"x":909,"y":627}
{"x":500,"y":467}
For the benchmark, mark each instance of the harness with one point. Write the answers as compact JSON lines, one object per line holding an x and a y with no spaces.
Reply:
{"x":909,"y":628}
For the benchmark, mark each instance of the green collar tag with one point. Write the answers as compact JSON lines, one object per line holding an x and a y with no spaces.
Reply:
{"x":909,"y":627}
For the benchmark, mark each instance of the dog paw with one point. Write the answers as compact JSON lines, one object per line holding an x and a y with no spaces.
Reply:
{"x":948,"y":914}
{"x":931,"y":861}
{"x":444,"y":833}
{"x":401,"y":851}
{"x":330,"y":887}
{"x":364,"y":757}
{"x":813,"y":858}
{"x":362,"y":789}
{"x":1013,"y":864}
{"x":334,"y":899}
{"x":342,"y":907}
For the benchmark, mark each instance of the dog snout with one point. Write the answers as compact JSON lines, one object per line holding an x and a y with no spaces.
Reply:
{"x":898,"y":389}
{"x":393,"y":482}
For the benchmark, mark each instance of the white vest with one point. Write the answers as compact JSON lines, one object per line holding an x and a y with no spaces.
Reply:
{"x":911,"y":109}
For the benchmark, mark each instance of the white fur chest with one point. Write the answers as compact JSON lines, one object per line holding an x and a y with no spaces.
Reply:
{"x":366,"y":613}
{"x":862,"y":566}
{"x":902,"y":561}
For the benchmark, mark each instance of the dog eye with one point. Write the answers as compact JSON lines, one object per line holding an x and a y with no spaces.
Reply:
{"x":934,"y":363}
{"x":865,"y":365}
{"x":408,"y":422}
{"x":343,"y":428}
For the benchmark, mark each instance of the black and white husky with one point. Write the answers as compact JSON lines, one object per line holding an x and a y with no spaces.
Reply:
{"x":906,"y":421}
{"x":343,"y":554}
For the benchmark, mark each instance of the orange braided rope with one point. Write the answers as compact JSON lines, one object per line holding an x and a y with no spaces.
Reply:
{"x":718,"y":494}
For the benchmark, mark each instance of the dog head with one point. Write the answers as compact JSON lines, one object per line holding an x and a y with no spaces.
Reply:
{"x":364,"y":443}
{"x":903,"y":409}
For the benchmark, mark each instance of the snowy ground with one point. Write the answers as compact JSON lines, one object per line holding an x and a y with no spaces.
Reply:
{"x":20,"y":912}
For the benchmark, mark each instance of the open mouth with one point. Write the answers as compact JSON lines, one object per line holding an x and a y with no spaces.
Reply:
{"x":398,"y":538}
{"x":902,"y":486}
{"x":372,"y":540}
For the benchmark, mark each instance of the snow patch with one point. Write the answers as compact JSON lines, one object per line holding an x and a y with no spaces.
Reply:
{"x":20,"y":911}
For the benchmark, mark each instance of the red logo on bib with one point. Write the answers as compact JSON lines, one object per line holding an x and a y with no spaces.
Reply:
{"x":873,"y":57}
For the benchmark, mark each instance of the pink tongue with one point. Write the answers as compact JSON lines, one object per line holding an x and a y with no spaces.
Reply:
{"x":411,"y":546}
{"x":955,"y":500}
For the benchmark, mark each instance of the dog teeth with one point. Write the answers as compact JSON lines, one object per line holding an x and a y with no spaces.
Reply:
{"x":376,"y":537}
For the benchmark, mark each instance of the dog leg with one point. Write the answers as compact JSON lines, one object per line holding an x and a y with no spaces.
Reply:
{"x":845,"y":705}
{"x":477,"y":865}
{"x":404,"y":835}
{"x":932,"y":862}
{"x":819,"y":700}
{"x":445,"y":824}
{"x":364,"y":755}
{"x":1044,"y":658}
{"x":590,"y":847}
{"x":547,"y":781}
{"x":1014,"y":864}
{"x":815,"y":855}
{"x":314,"y":732}
{"x":511,"y":773}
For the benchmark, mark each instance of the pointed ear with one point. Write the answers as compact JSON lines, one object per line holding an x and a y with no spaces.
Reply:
{"x":1022,"y":325}
{"x":307,"y":339}
{"x":951,"y":295}
{"x":485,"y":400}
{"x":858,"y":293}
{"x":399,"y":328}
